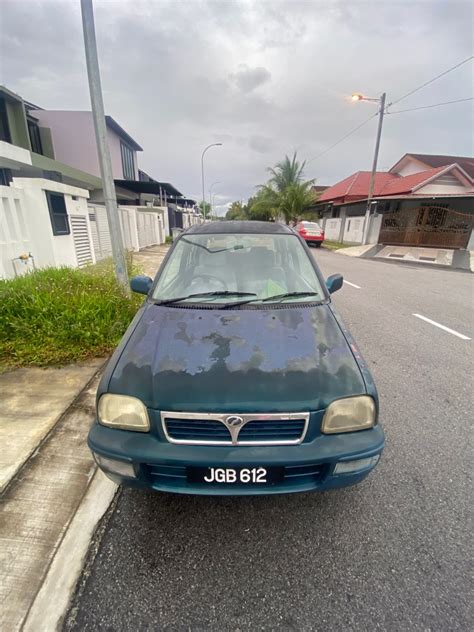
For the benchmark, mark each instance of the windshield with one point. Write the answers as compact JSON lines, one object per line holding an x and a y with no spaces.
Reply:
{"x":310,"y":225}
{"x":256,"y":266}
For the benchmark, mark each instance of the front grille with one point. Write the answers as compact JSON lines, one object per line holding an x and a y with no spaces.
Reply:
{"x":229,"y":429}
{"x":197,"y":429}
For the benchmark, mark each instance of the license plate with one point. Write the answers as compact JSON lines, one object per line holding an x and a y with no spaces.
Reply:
{"x":235,"y":475}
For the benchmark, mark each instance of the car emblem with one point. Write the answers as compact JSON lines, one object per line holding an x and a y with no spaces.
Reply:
{"x":234,"y":421}
{"x":234,"y":425}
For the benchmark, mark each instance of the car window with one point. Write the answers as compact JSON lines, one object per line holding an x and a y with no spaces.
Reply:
{"x":260,"y":265}
{"x":311,"y":225}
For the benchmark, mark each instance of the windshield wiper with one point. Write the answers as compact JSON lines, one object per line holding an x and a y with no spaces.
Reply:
{"x":276,"y":297}
{"x":177,"y":299}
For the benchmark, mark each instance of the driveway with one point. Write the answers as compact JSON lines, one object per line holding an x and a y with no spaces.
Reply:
{"x":390,"y":554}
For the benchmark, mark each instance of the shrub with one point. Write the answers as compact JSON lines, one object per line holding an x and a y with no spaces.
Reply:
{"x":60,"y":315}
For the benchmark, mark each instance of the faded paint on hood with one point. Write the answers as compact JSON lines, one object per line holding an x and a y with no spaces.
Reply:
{"x":294,"y":359}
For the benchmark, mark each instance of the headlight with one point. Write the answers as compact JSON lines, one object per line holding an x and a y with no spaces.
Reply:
{"x":347,"y":415}
{"x":124,"y":412}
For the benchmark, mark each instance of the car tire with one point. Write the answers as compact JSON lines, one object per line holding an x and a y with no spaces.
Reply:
{"x":318,"y":244}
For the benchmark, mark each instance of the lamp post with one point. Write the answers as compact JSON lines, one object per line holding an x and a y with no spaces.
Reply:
{"x":381,"y":102}
{"x":202,"y":176}
{"x":211,"y":197}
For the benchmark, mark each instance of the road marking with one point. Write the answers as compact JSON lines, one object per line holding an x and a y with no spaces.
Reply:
{"x":450,"y":331}
{"x":352,"y":284}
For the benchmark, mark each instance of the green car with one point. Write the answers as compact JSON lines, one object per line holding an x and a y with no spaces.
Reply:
{"x":237,"y":375}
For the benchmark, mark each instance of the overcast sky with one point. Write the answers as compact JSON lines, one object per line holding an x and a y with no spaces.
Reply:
{"x":265,"y":78}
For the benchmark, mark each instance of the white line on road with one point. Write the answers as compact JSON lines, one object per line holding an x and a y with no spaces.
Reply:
{"x":352,"y":284}
{"x":451,"y":331}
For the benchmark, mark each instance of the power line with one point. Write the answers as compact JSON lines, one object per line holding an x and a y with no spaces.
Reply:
{"x":341,"y":139}
{"x":434,"y":105}
{"x":427,"y":83}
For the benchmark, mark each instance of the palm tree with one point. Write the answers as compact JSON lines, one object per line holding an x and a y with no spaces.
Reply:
{"x":286,"y":192}
{"x":286,"y":173}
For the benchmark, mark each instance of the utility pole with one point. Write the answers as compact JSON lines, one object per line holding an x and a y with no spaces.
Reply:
{"x":374,"y":169}
{"x":98,"y":115}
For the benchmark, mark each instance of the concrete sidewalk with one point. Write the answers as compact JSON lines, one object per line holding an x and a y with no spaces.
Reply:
{"x":52,"y":494}
{"x":32,"y":402}
{"x":457,"y":259}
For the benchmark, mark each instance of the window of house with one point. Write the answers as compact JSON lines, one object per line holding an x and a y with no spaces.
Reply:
{"x":335,"y":213}
{"x":35,"y":138}
{"x":5,"y":177}
{"x":4,"y":127}
{"x":128,"y":165}
{"x":58,"y":213}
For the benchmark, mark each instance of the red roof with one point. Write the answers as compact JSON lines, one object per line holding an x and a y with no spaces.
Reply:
{"x":406,"y":184}
{"x":356,"y":186}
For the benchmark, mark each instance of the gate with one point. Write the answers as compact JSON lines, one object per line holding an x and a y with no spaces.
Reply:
{"x":435,"y":226}
{"x":82,"y":241}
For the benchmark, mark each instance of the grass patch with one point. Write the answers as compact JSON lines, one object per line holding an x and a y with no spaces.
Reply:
{"x":334,"y":245}
{"x":60,"y":315}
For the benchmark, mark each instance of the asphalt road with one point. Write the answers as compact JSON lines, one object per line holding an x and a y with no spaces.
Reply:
{"x":391,"y":554}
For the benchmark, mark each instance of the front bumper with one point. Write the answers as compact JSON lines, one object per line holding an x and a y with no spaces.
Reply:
{"x":308,"y":466}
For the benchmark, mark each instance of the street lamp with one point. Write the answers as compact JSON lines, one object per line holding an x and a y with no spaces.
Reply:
{"x":202,"y":175}
{"x":210,"y":193}
{"x":381,"y":102}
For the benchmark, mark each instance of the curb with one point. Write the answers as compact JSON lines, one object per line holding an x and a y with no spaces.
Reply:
{"x":51,"y":604}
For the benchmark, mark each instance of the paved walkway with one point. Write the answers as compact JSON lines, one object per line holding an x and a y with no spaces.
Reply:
{"x":149,"y":259}
{"x":32,"y":401}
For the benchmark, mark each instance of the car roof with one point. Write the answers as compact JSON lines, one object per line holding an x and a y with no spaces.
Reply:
{"x":234,"y":226}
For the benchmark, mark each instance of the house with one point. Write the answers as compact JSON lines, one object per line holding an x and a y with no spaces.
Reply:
{"x":51,"y":200}
{"x":73,"y":142}
{"x":420,"y":202}
{"x":27,"y":148}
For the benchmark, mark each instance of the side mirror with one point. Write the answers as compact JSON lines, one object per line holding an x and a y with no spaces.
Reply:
{"x":141,"y":284}
{"x":334,"y":283}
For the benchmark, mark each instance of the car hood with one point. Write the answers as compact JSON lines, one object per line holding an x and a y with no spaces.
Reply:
{"x":288,"y":359}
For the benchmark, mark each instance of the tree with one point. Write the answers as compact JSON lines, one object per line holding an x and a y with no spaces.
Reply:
{"x":287,"y":172}
{"x":286,"y":193}
{"x":264,"y":205}
{"x":205,"y":206}
{"x":237,"y":210}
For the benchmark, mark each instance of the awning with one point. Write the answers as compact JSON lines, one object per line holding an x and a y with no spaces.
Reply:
{"x":153,"y":188}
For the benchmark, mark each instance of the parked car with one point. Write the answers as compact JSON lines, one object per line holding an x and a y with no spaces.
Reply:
{"x":311,"y":232}
{"x":237,"y":375}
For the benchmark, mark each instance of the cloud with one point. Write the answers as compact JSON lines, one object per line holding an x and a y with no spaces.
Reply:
{"x":261,"y":144}
{"x":247,"y":79}
{"x":263,"y":78}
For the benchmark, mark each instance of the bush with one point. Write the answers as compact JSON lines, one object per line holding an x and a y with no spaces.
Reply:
{"x":60,"y":315}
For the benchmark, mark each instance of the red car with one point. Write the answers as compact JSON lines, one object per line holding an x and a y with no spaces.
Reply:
{"x":311,"y":232}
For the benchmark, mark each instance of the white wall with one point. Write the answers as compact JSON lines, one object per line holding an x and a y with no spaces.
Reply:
{"x":12,"y":156}
{"x":353,"y":230}
{"x":332,"y":229}
{"x":25,"y":224}
{"x":411,"y":166}
{"x":439,"y":188}
{"x":374,"y":229}
{"x":14,"y":230}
